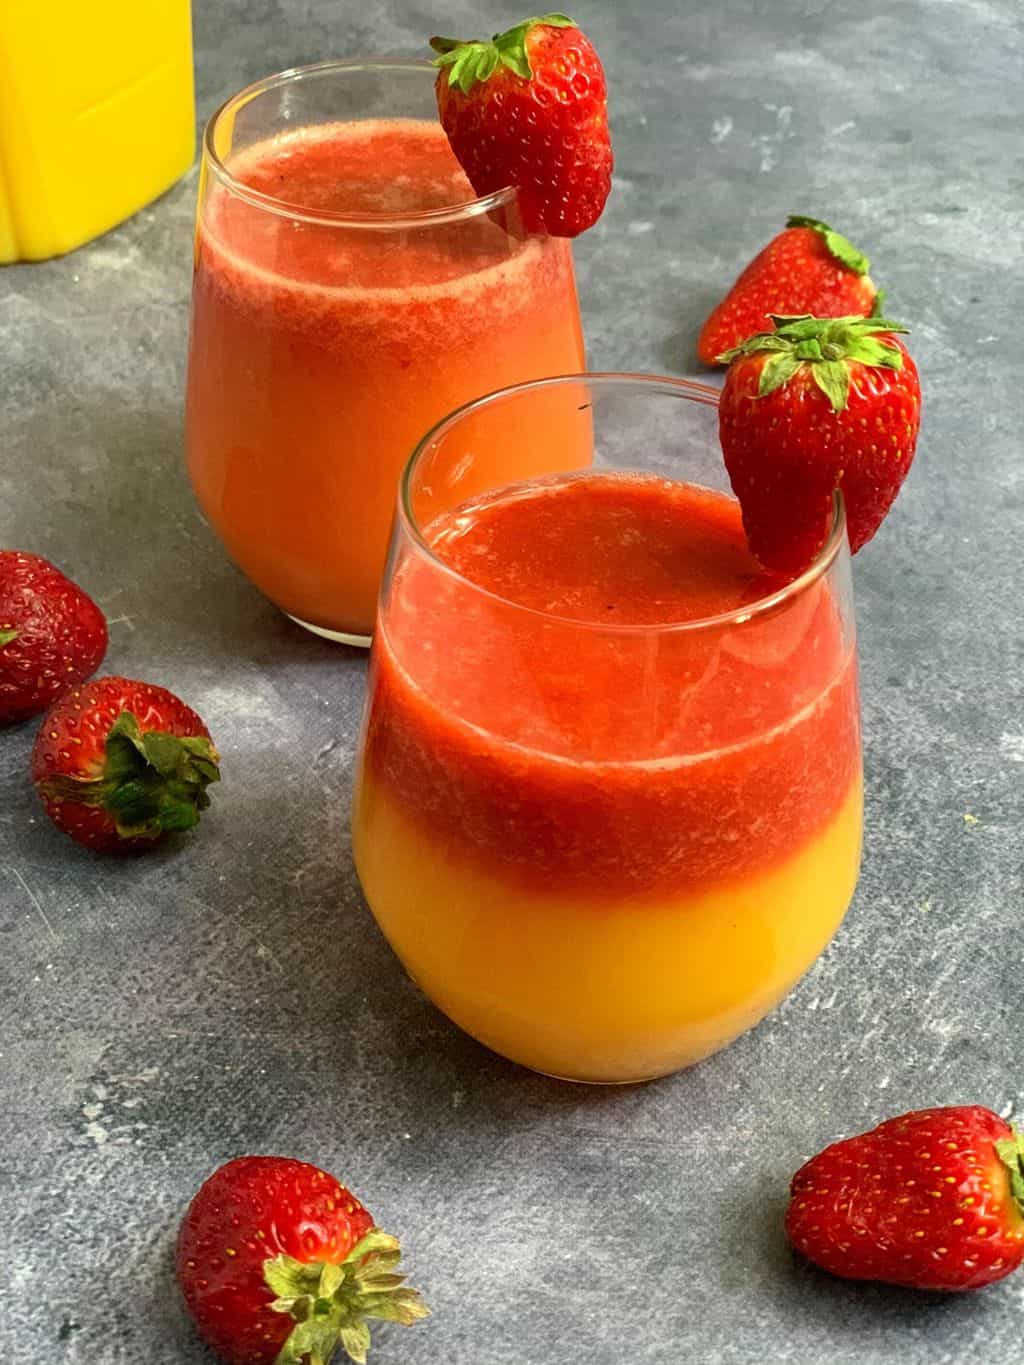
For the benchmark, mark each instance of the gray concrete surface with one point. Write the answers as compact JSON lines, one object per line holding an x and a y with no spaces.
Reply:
{"x":232,"y":994}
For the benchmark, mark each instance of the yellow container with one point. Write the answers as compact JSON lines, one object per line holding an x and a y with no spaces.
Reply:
{"x":97,"y":116}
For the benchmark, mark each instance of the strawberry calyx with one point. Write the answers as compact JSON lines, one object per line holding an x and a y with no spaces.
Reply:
{"x":6,"y":636}
{"x":331,"y":1302}
{"x":151,"y":782}
{"x":824,"y":346}
{"x":839,"y":246}
{"x":471,"y":62}
{"x":1010,"y":1151}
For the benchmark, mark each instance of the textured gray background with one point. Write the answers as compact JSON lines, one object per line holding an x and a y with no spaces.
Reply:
{"x":232,"y":994}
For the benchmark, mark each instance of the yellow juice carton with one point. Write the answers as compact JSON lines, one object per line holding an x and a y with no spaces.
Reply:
{"x":97,"y":116}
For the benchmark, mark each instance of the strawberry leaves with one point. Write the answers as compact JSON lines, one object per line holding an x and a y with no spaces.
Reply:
{"x":839,"y":246}
{"x":833,"y":379}
{"x":1011,"y":1153}
{"x":6,"y":636}
{"x":824,"y":346}
{"x":330,"y":1303}
{"x":779,"y":370}
{"x":152,"y":782}
{"x":470,"y":63}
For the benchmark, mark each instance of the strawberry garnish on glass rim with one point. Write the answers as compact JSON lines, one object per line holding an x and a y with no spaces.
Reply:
{"x":824,"y":346}
{"x":529,"y":109}
{"x":816,"y":405}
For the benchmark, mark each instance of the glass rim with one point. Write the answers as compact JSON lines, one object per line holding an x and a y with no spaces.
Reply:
{"x":449,"y":213}
{"x":689,"y":389}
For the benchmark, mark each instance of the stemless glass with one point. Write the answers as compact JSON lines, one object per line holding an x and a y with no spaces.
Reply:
{"x":604,"y":849}
{"x":348,"y":292}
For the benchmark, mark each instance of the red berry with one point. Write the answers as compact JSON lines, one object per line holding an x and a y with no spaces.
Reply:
{"x":51,"y":635}
{"x":530,"y":109}
{"x":931,"y":1200}
{"x":273,"y":1250}
{"x":807,"y":268}
{"x":119,"y":763}
{"x":817,"y":404}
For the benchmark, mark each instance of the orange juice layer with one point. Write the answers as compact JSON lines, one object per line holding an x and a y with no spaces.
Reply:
{"x":590,"y":991}
{"x":321,"y":354}
{"x":606,"y":851}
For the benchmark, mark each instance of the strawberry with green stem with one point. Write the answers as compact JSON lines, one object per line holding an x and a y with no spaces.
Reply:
{"x":816,"y":405}
{"x":933,"y":1199}
{"x":807,"y":268}
{"x":529,"y":109}
{"x":280,"y":1264}
{"x":118,"y":764}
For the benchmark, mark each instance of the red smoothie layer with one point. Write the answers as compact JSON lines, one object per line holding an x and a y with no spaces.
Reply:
{"x":321,"y":353}
{"x":387,"y":166}
{"x":603,"y":760}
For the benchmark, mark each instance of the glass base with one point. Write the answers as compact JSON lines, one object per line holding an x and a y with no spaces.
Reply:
{"x":577,"y":1080}
{"x":338,"y":637}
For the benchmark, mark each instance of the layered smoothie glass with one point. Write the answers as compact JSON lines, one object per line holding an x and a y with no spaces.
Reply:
{"x":349,"y":291}
{"x":608,"y":807}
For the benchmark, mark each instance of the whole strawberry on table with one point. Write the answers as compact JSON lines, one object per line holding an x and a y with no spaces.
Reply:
{"x":119,"y":763}
{"x":529,"y":108}
{"x":930,"y":1200}
{"x":280,"y":1264}
{"x":52,"y":635}
{"x":808,"y":268}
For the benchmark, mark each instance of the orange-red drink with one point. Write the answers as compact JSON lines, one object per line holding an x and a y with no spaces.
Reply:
{"x":349,"y":291}
{"x":609,"y":802}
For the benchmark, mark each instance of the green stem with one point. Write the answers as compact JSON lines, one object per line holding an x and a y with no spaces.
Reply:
{"x":1011,"y":1153}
